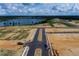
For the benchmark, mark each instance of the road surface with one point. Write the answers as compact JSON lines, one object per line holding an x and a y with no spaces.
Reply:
{"x":36,"y":44}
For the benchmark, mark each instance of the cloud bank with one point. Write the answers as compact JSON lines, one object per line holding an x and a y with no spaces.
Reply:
{"x":39,"y":9}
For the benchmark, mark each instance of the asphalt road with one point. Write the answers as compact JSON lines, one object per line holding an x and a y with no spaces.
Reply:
{"x":38,"y":44}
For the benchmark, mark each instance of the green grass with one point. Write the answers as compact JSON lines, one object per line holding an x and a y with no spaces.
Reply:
{"x":50,"y":22}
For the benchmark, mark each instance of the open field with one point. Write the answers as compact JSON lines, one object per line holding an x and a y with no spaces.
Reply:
{"x":14,"y":33}
{"x":64,"y":43}
{"x":10,"y":36}
{"x":11,"y":45}
{"x":50,"y":30}
{"x":59,"y":25}
{"x":39,"y":40}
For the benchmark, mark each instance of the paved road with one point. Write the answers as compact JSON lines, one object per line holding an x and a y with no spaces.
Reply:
{"x":38,"y":44}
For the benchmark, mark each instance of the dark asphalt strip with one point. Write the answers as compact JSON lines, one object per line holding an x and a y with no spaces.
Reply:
{"x":45,"y":45}
{"x":33,"y":45}
{"x":39,"y":44}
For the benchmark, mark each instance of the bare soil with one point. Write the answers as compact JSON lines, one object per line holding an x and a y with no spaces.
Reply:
{"x":64,"y":44}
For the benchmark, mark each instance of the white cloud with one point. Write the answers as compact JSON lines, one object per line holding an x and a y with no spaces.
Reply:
{"x":64,"y":7}
{"x":76,"y":8}
{"x":39,"y":9}
{"x":2,"y":11}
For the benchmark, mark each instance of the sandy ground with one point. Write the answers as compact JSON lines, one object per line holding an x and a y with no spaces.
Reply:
{"x":9,"y":44}
{"x":31,"y":35}
{"x":6,"y":36}
{"x":59,"y":25}
{"x":64,"y":44}
{"x":38,"y":52}
{"x":40,"y":35}
{"x":12,"y":44}
{"x":62,"y":29}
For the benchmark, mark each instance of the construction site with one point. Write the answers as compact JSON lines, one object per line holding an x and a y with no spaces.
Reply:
{"x":51,"y":37}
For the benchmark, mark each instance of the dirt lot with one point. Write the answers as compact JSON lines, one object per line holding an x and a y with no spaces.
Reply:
{"x":62,"y":30}
{"x":11,"y":45}
{"x":59,"y":25}
{"x":10,"y":36}
{"x":65,"y":44}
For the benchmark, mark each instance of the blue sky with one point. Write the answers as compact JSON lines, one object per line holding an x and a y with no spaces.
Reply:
{"x":27,"y":9}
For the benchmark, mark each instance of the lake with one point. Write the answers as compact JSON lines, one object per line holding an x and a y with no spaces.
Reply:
{"x":20,"y":22}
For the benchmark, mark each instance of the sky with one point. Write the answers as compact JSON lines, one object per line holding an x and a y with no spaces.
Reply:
{"x":39,"y":9}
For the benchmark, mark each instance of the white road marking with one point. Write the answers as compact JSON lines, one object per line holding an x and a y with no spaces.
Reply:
{"x":25,"y":52}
